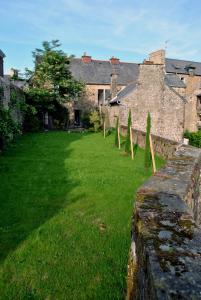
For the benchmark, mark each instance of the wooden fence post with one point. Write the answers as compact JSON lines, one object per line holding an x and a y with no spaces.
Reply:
{"x":152,"y":154}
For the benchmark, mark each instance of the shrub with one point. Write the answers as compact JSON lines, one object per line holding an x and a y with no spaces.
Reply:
{"x":8,"y":127}
{"x":194,"y":138}
{"x":85,"y":118}
{"x":147,"y":160}
{"x":95,"y":121}
{"x":128,"y":141}
{"x":116,"y":133}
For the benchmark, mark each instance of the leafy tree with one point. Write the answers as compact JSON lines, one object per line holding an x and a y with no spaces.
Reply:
{"x":128,"y":141}
{"x":147,"y":146}
{"x":51,"y":83}
{"x":116,"y":133}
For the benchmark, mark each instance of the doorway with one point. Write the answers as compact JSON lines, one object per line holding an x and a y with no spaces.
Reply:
{"x":77,"y":116}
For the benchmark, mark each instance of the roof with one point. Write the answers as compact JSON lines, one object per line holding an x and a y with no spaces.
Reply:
{"x":182,"y":66}
{"x":124,"y":92}
{"x":171,"y":80}
{"x":99,"y":72}
{"x":174,"y":81}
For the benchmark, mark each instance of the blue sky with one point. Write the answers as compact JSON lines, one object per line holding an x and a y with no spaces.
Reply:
{"x":128,"y":29}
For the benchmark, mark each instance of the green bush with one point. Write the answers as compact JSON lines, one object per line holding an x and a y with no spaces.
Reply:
{"x":95,"y":121}
{"x":194,"y":138}
{"x":128,"y":141}
{"x":8,"y":128}
{"x":147,"y":159}
{"x":85,"y":118}
{"x":116,"y":133}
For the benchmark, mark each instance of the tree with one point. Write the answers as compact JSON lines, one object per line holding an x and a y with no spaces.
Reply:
{"x":51,"y":83}
{"x":128,"y":141}
{"x":116,"y":133}
{"x":147,"y":160}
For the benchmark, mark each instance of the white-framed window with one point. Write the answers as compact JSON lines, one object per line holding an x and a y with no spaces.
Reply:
{"x":103,"y":96}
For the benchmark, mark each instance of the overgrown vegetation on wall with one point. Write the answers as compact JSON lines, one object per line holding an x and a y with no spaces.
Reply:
{"x":194,"y":138}
{"x":10,"y":125}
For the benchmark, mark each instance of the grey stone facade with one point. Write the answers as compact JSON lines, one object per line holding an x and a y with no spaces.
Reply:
{"x":153,"y":94}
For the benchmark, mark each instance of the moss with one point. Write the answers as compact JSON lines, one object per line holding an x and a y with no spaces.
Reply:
{"x":181,"y":158}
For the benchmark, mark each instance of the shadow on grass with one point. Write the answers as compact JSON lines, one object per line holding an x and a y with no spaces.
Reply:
{"x":34,"y":185}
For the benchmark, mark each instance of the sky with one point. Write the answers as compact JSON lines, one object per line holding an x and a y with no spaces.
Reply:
{"x":127,"y":29}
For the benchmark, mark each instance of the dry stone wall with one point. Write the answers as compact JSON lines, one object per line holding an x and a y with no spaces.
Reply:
{"x":163,"y":147}
{"x":165,"y":260}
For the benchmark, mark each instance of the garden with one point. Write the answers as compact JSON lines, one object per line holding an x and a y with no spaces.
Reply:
{"x":65,"y":216}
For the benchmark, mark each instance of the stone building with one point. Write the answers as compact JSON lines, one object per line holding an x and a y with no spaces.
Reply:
{"x":167,"y":88}
{"x":103,"y":80}
{"x":8,"y":88}
{"x":190,"y":73}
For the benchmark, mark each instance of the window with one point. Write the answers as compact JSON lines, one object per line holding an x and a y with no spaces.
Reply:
{"x":103,"y":96}
{"x":100,"y":97}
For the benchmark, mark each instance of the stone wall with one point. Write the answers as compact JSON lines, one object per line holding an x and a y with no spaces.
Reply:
{"x":165,"y":260}
{"x":163,"y":147}
{"x":164,"y":103}
{"x":6,"y":90}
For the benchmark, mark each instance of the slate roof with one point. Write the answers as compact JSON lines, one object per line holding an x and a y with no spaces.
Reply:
{"x":174,"y":81}
{"x":182,"y":66}
{"x":99,"y":72}
{"x":171,"y":80}
{"x":127,"y":90}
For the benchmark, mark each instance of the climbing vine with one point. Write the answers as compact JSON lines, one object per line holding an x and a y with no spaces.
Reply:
{"x":9,"y":128}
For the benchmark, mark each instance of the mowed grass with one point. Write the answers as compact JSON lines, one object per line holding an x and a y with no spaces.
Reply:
{"x":65,"y":215}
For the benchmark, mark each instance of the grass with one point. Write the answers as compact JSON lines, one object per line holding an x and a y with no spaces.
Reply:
{"x":65,"y":213}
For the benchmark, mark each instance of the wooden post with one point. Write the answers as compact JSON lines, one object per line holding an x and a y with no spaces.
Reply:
{"x":152,"y":154}
{"x":131,"y":140}
{"x":119,"y":141}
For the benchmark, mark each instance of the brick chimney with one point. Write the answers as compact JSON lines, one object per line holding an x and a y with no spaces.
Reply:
{"x":158,"y":57}
{"x":114,"y":60}
{"x":2,"y":55}
{"x":86,"y":58}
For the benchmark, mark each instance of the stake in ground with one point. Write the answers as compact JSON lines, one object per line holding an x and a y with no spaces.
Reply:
{"x":65,"y":215}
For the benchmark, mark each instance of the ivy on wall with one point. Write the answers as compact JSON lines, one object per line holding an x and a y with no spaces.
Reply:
{"x":9,"y":128}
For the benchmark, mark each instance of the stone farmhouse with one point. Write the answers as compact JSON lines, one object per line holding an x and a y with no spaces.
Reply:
{"x":169,"y":89}
{"x":103,"y":80}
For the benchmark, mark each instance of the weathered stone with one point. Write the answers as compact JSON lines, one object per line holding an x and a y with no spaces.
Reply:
{"x":167,"y":233}
{"x":164,"y":235}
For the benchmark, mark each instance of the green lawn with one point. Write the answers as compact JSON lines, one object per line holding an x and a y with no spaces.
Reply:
{"x":65,"y":213}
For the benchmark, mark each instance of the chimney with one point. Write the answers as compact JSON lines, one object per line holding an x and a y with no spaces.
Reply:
{"x":148,"y":62}
{"x":114,"y":60}
{"x":13,"y":73}
{"x":2,"y":55}
{"x":114,"y":85}
{"x":158,"y":57}
{"x":86,"y":58}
